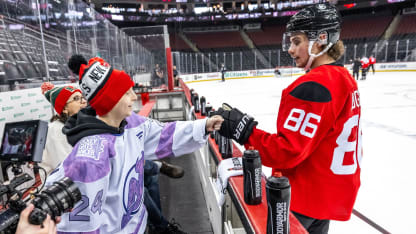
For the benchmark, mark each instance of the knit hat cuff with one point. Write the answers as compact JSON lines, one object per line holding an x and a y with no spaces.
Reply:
{"x":112,"y":91}
{"x":62,"y":98}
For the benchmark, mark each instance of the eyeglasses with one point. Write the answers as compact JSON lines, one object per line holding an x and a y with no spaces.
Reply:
{"x":77,"y":99}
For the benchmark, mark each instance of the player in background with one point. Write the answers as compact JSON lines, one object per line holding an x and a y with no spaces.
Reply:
{"x":318,"y":140}
{"x":223,"y":70}
{"x":356,"y":68}
{"x":277,"y":72}
{"x":364,"y":67}
{"x":372,"y":62}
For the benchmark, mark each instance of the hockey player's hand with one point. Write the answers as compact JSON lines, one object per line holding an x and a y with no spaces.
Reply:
{"x":214,"y":123}
{"x":237,"y":126}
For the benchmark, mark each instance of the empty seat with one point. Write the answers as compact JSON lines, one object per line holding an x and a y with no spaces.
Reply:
{"x":12,"y":72}
{"x":29,"y":70}
{"x":3,"y":76}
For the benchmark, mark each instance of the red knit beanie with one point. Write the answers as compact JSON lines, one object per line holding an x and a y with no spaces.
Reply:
{"x":101,"y":85}
{"x":58,"y":96}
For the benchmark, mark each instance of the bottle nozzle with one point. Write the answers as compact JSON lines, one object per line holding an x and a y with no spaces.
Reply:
{"x":277,"y":174}
{"x":251,"y":147}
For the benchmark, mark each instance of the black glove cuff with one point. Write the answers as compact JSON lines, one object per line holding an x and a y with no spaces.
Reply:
{"x":247,"y":132}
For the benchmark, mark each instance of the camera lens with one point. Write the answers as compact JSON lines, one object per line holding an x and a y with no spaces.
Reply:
{"x":58,"y":198}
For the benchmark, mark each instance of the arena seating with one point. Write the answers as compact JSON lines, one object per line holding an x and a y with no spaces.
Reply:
{"x":22,"y":58}
{"x":365,"y":27}
{"x":177,"y":43}
{"x":21,"y":55}
{"x":216,"y":40}
{"x":361,"y":34}
{"x":271,"y":35}
{"x":406,"y":26}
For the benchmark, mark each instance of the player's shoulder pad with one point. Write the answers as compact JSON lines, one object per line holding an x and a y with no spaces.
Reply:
{"x":311,"y":91}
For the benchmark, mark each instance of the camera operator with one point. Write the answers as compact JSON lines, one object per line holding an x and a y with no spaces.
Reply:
{"x":24,"y":227}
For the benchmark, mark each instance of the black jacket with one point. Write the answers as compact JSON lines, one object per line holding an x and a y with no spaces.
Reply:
{"x":356,"y":65}
{"x":223,"y":69}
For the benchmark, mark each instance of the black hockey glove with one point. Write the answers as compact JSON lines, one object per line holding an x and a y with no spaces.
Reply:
{"x":236,"y":125}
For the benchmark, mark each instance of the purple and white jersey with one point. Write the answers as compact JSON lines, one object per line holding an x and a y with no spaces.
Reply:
{"x":108,"y":170}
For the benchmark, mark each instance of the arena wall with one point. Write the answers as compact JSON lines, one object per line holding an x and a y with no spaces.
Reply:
{"x":285,"y":72}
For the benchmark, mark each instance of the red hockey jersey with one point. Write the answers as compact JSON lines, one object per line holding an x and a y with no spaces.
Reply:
{"x":365,"y":62}
{"x":372,"y":60}
{"x":318,"y":142}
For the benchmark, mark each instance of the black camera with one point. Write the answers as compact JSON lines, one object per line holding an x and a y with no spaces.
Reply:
{"x":55,"y":200}
{"x":24,"y":142}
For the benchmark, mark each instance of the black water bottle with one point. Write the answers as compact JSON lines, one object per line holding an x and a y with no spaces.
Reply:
{"x":212,"y":135}
{"x":203,"y":106}
{"x":208,"y":108}
{"x":226,"y":148}
{"x":192,"y":92}
{"x":196,"y":103}
{"x":252,"y":176}
{"x":278,"y":204}
{"x":217,"y":138}
{"x":210,"y":114}
{"x":219,"y":142}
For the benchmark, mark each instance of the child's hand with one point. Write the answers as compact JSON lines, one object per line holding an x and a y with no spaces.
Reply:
{"x":214,"y":123}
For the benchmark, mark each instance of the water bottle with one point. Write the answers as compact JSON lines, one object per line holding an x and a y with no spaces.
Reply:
{"x":196,"y":103}
{"x":252,"y":176}
{"x":219,"y":141}
{"x":210,"y":114}
{"x":212,"y":135}
{"x":278,"y":204}
{"x":208,"y":108}
{"x":203,"y":106}
{"x":226,"y":148}
{"x":192,"y":92}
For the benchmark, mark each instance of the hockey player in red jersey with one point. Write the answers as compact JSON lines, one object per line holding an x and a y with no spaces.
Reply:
{"x":372,"y":62}
{"x":318,"y":140}
{"x":365,"y":63}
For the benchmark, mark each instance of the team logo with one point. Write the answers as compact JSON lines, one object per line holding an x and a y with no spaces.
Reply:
{"x":237,"y":164}
{"x":140,"y":135}
{"x":241,"y":125}
{"x":133,"y":191}
{"x":91,"y":147}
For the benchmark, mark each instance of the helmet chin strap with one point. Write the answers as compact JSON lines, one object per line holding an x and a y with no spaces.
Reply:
{"x":313,"y":56}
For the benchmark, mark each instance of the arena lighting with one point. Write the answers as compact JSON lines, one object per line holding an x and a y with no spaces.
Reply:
{"x":200,"y":10}
{"x":16,"y":26}
{"x":112,"y":9}
{"x":117,"y":17}
{"x":350,"y":5}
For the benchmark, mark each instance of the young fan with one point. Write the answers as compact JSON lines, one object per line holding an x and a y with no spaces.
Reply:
{"x":111,"y":144}
{"x":67,"y":101}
